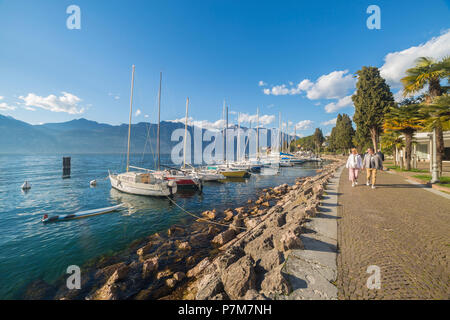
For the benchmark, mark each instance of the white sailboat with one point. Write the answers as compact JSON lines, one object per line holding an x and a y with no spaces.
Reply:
{"x":142,"y":182}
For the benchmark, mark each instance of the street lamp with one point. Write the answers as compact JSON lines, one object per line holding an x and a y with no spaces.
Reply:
{"x":434,"y":167}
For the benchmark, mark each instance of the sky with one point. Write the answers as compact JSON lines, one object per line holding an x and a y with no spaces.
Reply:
{"x":297,"y":58}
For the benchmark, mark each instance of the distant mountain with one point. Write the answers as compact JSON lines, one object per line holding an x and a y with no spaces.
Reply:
{"x":84,"y":136}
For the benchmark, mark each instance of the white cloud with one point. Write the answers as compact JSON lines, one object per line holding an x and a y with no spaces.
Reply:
{"x":396,"y":63}
{"x":146,"y":116}
{"x":341,"y":103}
{"x":262,"y":83}
{"x":329,"y":122}
{"x":137,"y":113}
{"x":4,"y":106}
{"x":334,"y":85}
{"x":263,"y":119}
{"x":205,"y":124}
{"x":67,"y":102}
{"x":304,"y":125}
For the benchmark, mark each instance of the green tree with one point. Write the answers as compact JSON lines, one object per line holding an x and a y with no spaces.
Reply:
{"x":428,"y":71}
{"x":372,"y":100}
{"x":331,"y":141}
{"x":391,"y":141}
{"x":318,"y":139}
{"x":344,"y":132}
{"x":437,"y":116}
{"x":406,"y":119}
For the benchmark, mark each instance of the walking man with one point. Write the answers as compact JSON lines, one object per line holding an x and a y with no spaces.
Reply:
{"x":371,"y":163}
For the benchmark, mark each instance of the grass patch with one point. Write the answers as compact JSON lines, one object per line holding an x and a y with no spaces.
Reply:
{"x":444,"y":181}
{"x":397,"y":168}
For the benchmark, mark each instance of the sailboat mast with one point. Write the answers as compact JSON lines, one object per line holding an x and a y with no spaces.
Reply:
{"x":158,"y":145}
{"x":239,"y":138}
{"x":224,"y":137}
{"x":131,"y":113}
{"x":279,"y":132}
{"x":226,"y":131}
{"x":257,"y":133}
{"x":185,"y":133}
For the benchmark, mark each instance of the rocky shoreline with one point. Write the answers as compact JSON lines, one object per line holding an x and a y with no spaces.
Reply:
{"x":239,"y":254}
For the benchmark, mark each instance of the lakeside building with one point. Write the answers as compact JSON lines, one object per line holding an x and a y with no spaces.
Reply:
{"x":423,"y":146}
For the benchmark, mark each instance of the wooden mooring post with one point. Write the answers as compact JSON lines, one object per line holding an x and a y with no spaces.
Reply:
{"x":66,"y":167}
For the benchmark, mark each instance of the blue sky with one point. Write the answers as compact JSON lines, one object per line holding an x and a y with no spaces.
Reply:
{"x":294,"y":57}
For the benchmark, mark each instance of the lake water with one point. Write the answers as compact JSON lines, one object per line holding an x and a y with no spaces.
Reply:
{"x":30,"y":250}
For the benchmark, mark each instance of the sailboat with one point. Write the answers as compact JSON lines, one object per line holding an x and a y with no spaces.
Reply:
{"x":225,"y":169}
{"x":182,"y":179}
{"x":200,"y":173}
{"x":142,"y":182}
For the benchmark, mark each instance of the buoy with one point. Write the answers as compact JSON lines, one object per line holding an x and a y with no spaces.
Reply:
{"x":93,"y":183}
{"x":26,"y":186}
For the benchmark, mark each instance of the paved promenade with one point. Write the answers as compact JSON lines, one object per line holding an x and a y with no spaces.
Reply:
{"x":399,"y":227}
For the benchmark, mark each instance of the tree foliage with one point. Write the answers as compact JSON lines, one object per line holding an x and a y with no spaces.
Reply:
{"x":405,"y":118}
{"x":372,"y":100}
{"x":341,"y":137}
{"x":318,"y":139}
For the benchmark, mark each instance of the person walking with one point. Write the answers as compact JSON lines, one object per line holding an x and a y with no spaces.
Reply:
{"x":354,"y":164}
{"x":371,"y":163}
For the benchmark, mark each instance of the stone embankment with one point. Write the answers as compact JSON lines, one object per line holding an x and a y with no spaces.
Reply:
{"x":238,"y":255}
{"x":249,"y":264}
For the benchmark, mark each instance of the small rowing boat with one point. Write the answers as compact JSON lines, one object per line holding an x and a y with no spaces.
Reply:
{"x":80,"y":214}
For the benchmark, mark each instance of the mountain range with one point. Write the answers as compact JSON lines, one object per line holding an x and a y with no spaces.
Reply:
{"x":84,"y":136}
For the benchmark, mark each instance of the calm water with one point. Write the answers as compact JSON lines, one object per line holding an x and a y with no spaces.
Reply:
{"x":30,"y":250}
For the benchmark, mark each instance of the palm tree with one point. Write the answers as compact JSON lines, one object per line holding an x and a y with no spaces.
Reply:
{"x":437,"y":116}
{"x":391,"y":141}
{"x":429,"y":72}
{"x":406,"y":119}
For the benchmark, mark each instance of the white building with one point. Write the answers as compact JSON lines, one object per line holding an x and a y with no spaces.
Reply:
{"x":423,"y":146}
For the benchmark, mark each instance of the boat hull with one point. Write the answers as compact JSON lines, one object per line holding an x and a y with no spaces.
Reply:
{"x":235,"y":173}
{"x":142,"y":189}
{"x":82,"y":214}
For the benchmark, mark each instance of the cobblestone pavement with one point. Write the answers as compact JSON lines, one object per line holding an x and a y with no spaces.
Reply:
{"x":399,"y":227}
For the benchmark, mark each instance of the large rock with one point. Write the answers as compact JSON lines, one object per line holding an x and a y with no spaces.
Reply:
{"x":239,"y":277}
{"x":260,"y":245}
{"x":184,"y":246}
{"x":149,"y":266}
{"x":209,"y":286}
{"x":224,"y":237}
{"x":198,"y":268}
{"x":275,"y":283}
{"x":230,"y":256}
{"x":287,"y":240}
{"x":228,"y":215}
{"x":144,"y":250}
{"x":112,"y":288}
{"x":199,"y":239}
{"x":175,"y":231}
{"x":250,"y":223}
{"x":271,"y":259}
{"x":209,"y":214}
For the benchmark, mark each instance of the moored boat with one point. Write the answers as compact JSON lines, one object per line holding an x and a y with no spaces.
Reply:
{"x":80,"y":214}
